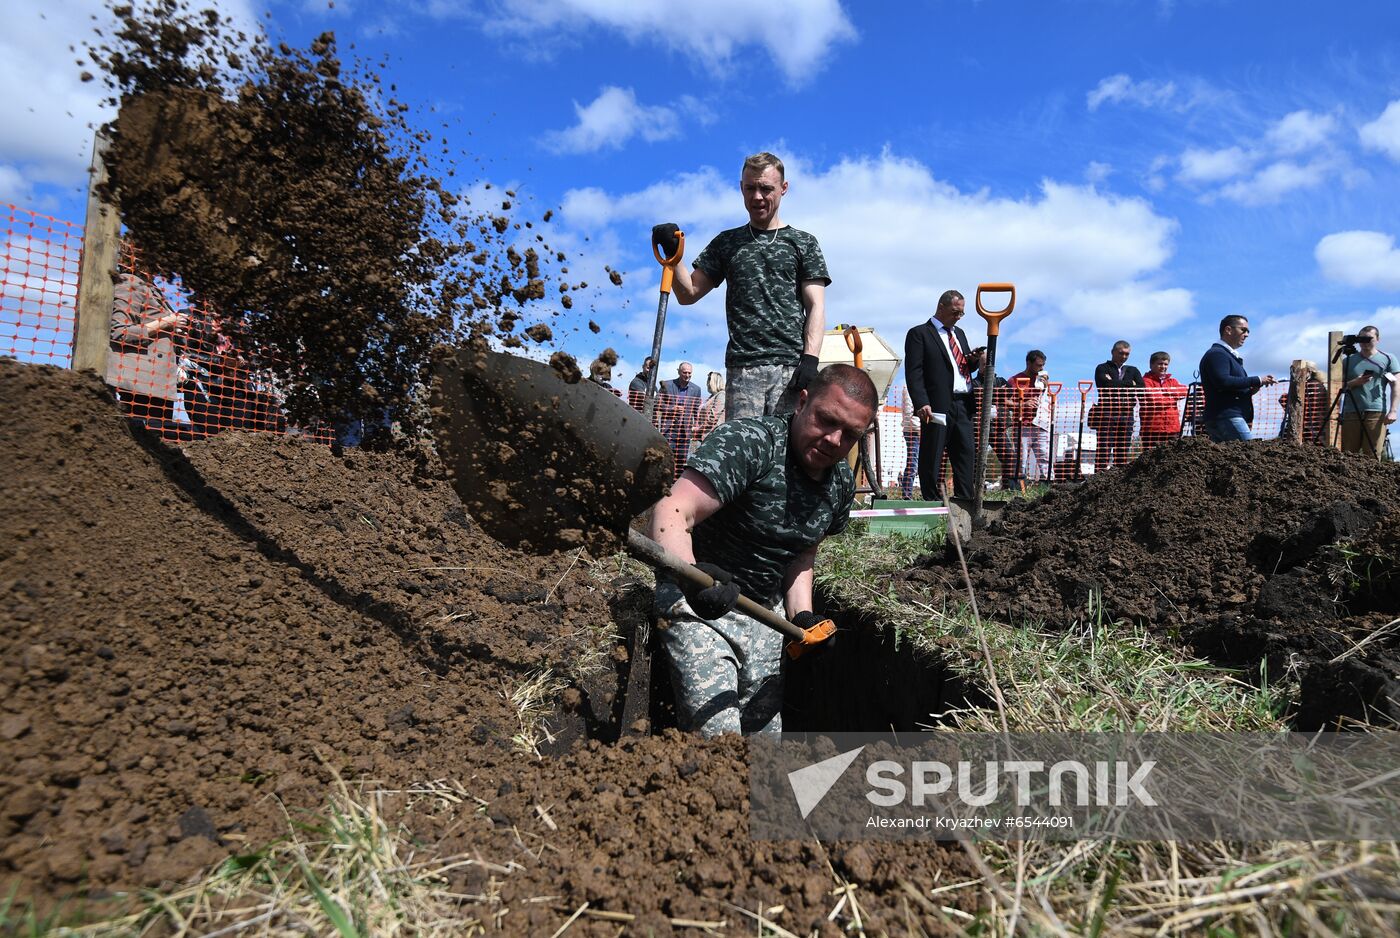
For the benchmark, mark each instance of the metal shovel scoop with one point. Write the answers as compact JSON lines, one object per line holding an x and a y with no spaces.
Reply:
{"x":544,"y":464}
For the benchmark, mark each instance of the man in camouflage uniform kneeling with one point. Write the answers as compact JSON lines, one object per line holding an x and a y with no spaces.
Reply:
{"x":755,"y":501}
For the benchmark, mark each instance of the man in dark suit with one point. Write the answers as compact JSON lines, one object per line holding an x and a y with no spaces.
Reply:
{"x":1119,"y":386}
{"x":938,"y":369}
{"x":1228,"y":387}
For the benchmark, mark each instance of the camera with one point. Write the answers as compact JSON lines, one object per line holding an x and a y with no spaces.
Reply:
{"x":1347,"y":346}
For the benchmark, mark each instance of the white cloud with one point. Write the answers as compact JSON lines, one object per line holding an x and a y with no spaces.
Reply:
{"x":797,"y":34}
{"x":1360,"y":259}
{"x":1129,"y":308}
{"x":1207,"y":166}
{"x":47,"y":118}
{"x":1383,"y":133}
{"x":1301,"y":131}
{"x":1298,"y":151}
{"x":610,"y":120}
{"x":1276,"y":180}
{"x":1097,"y":172}
{"x":1121,"y":89}
{"x":1275,"y":341}
{"x":13,"y":188}
{"x":895,"y":237}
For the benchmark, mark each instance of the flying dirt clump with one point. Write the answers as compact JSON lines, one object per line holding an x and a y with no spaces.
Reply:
{"x":284,"y":185}
{"x":566,"y":367}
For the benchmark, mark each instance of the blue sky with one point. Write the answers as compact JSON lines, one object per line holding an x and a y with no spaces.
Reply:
{"x":1137,"y":169}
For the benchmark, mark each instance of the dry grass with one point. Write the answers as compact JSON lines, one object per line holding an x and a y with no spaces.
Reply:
{"x":1106,"y":677}
{"x":534,"y":700}
{"x":348,"y":872}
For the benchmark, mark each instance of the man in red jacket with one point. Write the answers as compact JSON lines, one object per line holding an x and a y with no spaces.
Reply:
{"x":1161,"y":421}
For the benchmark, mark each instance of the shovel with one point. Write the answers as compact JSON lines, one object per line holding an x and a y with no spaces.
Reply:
{"x":858,"y":456}
{"x":544,"y":464}
{"x":668,"y":274}
{"x":994,"y":319}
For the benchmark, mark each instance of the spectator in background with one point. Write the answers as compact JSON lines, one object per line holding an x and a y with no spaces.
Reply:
{"x":939,"y":365}
{"x":712,"y":411}
{"x":1367,"y":376}
{"x":600,"y":371}
{"x":1229,"y":389}
{"x":144,"y":365}
{"x":1119,"y":385}
{"x":910,"y":424}
{"x":677,"y":410}
{"x":775,"y":301}
{"x":1161,"y":421}
{"x":637,"y":387}
{"x":1032,"y":408}
{"x":1004,"y":439}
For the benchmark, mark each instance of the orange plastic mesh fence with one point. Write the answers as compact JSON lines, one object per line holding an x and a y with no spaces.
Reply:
{"x":683,"y":420}
{"x":39,"y":287}
{"x":171,"y":362}
{"x":179,"y":368}
{"x":1068,"y":431}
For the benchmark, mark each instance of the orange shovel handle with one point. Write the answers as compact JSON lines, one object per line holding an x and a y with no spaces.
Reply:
{"x":811,"y":638}
{"x":854,"y":344}
{"x":668,"y":264}
{"x":994,"y":318}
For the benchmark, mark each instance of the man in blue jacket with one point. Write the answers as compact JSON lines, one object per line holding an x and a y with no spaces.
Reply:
{"x":1228,"y":387}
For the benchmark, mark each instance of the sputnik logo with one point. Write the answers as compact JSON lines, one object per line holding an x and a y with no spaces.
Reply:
{"x":810,"y":784}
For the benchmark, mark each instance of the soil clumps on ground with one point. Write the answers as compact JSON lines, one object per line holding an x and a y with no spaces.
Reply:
{"x":1254,"y":555}
{"x":198,"y":640}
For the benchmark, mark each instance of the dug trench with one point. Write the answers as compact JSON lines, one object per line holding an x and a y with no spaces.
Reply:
{"x":1282,"y":561}
{"x":199,"y":642}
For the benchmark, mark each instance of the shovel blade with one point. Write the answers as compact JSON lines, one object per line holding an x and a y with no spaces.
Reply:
{"x":540,"y":463}
{"x":963,"y":515}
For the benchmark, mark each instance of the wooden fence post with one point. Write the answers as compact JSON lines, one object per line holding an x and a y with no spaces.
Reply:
{"x":101,"y":231}
{"x":1297,"y":393}
{"x":1332,"y":431}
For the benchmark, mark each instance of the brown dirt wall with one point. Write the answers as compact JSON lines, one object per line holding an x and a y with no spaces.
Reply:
{"x":193,"y":642}
{"x":1238,"y":550}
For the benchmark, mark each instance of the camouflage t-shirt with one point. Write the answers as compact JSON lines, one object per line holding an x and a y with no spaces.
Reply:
{"x":763,"y":304}
{"x":772,"y":511}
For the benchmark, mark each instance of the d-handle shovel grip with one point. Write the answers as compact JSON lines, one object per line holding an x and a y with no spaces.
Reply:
{"x":994,"y":318}
{"x":854,"y":343}
{"x":668,"y":264}
{"x":803,"y":640}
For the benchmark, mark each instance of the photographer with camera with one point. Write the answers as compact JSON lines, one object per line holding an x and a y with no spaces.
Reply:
{"x":1367,"y":372}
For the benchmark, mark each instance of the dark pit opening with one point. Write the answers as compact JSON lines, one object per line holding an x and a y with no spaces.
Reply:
{"x":871,"y":682}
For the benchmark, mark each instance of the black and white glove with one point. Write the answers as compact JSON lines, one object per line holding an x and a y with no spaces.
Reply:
{"x":716,"y":599}
{"x":806,"y":371}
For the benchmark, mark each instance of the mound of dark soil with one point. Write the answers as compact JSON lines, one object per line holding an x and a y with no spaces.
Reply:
{"x":193,"y":640}
{"x":1233,"y":548}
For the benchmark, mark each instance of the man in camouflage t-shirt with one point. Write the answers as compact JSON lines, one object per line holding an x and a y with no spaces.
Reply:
{"x":775,"y":302}
{"x":759,"y":496}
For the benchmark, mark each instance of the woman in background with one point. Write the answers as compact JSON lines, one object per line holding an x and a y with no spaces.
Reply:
{"x":1161,"y":421}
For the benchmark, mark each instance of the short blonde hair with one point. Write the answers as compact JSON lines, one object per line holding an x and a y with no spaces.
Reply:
{"x":761,"y":161}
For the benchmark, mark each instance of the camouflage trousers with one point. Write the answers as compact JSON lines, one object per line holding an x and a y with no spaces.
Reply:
{"x":726,"y":672}
{"x":759,"y":391}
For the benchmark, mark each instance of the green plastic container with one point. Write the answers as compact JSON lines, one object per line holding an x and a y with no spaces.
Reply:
{"x":912,"y":525}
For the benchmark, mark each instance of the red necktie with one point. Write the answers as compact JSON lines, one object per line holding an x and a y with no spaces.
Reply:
{"x":958,"y":358}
